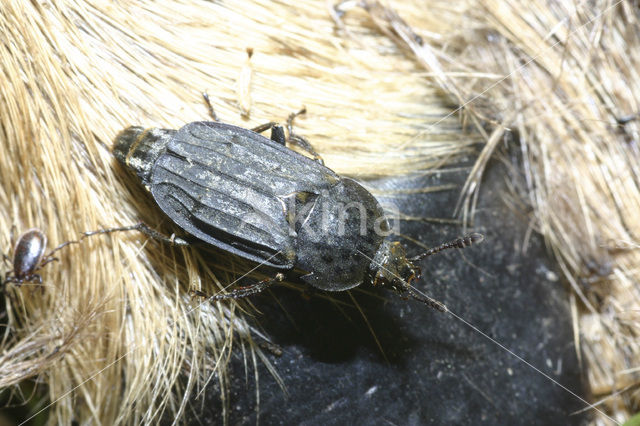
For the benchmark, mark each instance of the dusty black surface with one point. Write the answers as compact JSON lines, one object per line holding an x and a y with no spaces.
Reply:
{"x":435,"y":369}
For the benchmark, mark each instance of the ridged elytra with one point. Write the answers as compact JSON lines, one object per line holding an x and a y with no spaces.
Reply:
{"x":252,"y":196}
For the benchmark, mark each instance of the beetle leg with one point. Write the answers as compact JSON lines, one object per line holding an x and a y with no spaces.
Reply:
{"x":6,"y":258}
{"x":266,"y":126}
{"x":244,"y":291}
{"x":299,"y":140}
{"x":305,"y":145}
{"x":277,"y":132}
{"x":212,"y":113}
{"x":145,"y":229}
{"x":172,"y":240}
{"x":277,"y":135}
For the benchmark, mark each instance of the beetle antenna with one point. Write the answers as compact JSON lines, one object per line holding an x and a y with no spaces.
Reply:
{"x":421,"y":297}
{"x":463,"y":242}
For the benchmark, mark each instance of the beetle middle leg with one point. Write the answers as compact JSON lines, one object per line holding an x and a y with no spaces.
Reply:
{"x":277,"y":132}
{"x":212,"y":112}
{"x":299,"y":140}
{"x":277,"y":135}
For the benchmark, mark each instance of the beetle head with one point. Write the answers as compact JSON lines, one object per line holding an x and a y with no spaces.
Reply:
{"x":393,"y":270}
{"x":391,"y":266}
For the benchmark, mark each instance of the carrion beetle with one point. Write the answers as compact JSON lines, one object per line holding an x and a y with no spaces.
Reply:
{"x":252,"y":196}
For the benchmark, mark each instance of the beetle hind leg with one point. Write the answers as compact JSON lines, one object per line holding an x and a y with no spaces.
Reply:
{"x":212,"y":112}
{"x":243,"y":292}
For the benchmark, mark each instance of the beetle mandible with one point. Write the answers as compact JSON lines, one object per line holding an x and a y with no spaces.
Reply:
{"x":252,"y":196}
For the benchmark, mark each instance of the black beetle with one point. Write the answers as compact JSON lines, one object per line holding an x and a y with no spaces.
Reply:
{"x":252,"y":196}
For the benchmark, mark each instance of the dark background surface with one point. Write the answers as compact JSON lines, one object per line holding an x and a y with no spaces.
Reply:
{"x":433,"y":369}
